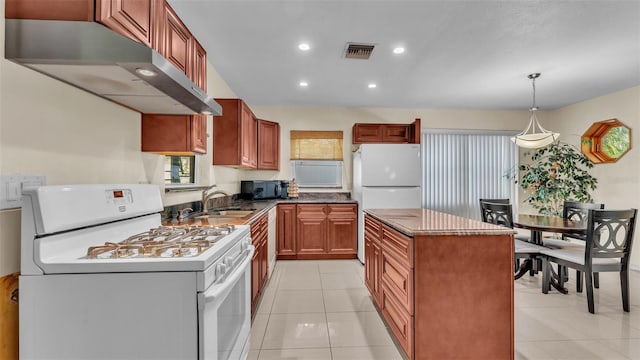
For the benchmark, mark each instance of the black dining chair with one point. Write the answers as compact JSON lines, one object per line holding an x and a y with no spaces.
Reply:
{"x":575,"y":211}
{"x":502,"y":201}
{"x":607,"y":248}
{"x":501,"y":214}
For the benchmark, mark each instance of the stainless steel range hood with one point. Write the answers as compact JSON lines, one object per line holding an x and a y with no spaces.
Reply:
{"x":98,"y":60}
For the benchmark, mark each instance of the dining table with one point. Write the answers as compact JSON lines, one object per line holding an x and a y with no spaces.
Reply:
{"x":538,"y":224}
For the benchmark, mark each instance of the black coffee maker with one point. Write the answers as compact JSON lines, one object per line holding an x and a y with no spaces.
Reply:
{"x":284,"y":189}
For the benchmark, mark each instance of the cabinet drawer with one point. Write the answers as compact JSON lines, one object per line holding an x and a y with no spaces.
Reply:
{"x":399,"y":321}
{"x":371,"y":229}
{"x":399,"y":244}
{"x":399,"y":280}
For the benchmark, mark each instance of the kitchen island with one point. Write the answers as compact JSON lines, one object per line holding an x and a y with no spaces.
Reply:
{"x":443,"y":283}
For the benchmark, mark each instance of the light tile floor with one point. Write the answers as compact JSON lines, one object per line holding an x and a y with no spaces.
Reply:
{"x":321,"y":310}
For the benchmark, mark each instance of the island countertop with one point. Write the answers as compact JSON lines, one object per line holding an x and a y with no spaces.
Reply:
{"x":413,"y":222}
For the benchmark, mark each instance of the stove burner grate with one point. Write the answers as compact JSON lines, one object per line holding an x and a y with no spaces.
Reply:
{"x":163,"y":241}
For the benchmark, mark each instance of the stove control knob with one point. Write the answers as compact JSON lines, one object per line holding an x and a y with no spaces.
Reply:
{"x":221,"y":269}
{"x":228,"y":261}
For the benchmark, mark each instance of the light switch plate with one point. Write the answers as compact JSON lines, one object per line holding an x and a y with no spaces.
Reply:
{"x":11,"y":188}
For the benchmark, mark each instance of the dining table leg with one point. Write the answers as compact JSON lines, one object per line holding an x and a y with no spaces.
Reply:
{"x":554,"y":278}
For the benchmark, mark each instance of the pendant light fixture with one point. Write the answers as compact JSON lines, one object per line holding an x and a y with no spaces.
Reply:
{"x":534,"y":136}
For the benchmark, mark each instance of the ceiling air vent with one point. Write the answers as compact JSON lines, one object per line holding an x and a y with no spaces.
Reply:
{"x":358,"y":51}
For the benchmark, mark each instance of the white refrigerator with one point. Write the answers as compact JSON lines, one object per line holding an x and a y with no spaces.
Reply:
{"x":386,"y":176}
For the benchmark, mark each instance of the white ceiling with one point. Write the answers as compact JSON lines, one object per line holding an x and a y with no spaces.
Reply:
{"x":460,"y":54}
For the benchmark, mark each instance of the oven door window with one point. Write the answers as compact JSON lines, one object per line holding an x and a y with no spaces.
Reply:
{"x":225,"y":318}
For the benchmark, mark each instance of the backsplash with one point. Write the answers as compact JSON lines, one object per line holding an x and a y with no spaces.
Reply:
{"x":324,"y":196}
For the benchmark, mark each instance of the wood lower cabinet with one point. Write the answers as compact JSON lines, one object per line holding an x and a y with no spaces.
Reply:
{"x":373,"y":258}
{"x":436,"y":306}
{"x":131,"y":18}
{"x":174,"y":134}
{"x":342,"y":228}
{"x":268,"y":145}
{"x":311,"y":230}
{"x":286,"y":232}
{"x":259,"y":262}
{"x":235,"y":135}
{"x":317,"y":231}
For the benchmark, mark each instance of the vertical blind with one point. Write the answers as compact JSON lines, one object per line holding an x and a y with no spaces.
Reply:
{"x":461,"y":168}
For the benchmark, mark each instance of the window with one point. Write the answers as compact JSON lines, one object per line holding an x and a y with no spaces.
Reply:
{"x":179,"y":170}
{"x":460,"y":167}
{"x":316,"y":145}
{"x":606,"y":141}
{"x":316,"y":158}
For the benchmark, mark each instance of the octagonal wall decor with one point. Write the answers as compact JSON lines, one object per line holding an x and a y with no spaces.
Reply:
{"x":606,"y":141}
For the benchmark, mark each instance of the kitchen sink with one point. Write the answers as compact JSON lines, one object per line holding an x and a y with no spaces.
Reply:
{"x":231,"y":213}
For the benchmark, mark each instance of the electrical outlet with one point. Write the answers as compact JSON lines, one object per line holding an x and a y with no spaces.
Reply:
{"x":11,"y":188}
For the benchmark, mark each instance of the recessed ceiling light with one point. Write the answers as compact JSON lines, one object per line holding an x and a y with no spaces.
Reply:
{"x":303,"y":84}
{"x":372,"y":86}
{"x":398,"y":50}
{"x":304,"y":46}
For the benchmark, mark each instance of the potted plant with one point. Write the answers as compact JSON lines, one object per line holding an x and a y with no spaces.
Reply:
{"x":556,"y":173}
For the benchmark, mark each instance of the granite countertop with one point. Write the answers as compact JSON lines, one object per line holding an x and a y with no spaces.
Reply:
{"x":414,"y":222}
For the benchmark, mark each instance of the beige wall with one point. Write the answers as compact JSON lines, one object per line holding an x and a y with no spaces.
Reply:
{"x":619,"y":182}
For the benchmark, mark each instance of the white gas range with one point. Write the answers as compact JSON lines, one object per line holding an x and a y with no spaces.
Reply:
{"x":102,"y":279}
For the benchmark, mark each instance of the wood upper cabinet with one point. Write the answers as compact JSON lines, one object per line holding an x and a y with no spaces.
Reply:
{"x":175,"y":40}
{"x":365,"y":133}
{"x":268,"y":145}
{"x":380,"y":133}
{"x":311,"y":229}
{"x":198,"y":71}
{"x":235,"y":135}
{"x":176,"y":134}
{"x":286,"y":231}
{"x":134,"y":19}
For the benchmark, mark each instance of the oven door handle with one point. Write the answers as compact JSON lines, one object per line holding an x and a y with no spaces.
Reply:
{"x":220,"y":290}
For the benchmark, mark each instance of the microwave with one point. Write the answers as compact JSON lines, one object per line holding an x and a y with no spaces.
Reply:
{"x":259,"y":189}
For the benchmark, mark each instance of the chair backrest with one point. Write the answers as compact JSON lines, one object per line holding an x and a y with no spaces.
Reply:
{"x":496,"y":213}
{"x":577,"y":211}
{"x":495,"y":201}
{"x":610,"y":234}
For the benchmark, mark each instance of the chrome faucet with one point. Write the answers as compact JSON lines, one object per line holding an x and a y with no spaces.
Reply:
{"x":206,"y":196}
{"x":183,"y":213}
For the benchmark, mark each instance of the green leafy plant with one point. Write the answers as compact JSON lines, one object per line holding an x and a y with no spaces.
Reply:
{"x":557,"y":172}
